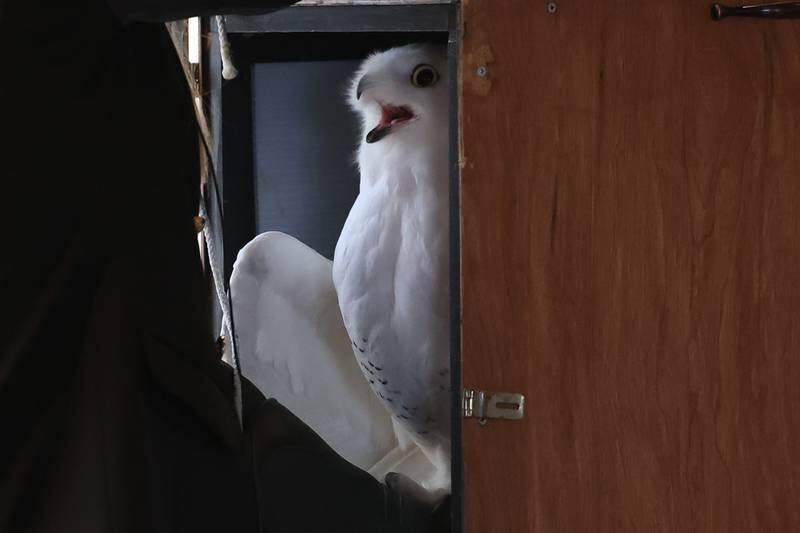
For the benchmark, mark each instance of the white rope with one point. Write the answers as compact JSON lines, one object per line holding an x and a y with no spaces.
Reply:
{"x":228,"y":68}
{"x":229,"y":352}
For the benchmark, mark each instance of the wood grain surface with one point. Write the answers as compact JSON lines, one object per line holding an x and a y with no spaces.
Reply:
{"x":631,"y":262}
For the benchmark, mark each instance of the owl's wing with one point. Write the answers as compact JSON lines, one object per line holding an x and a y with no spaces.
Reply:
{"x":293,"y":345}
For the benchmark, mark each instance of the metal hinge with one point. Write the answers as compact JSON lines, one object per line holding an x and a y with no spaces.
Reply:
{"x":484,"y":405}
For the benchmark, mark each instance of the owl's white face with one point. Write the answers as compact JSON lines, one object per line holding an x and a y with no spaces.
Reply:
{"x":402,"y":92}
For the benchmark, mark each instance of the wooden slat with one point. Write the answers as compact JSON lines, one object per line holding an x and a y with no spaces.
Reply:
{"x":356,"y":18}
{"x":631,"y":262}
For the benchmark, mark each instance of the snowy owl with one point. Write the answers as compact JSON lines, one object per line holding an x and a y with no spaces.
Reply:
{"x":390,"y":267}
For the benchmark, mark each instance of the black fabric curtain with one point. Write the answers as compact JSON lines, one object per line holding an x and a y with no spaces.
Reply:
{"x":115,"y":411}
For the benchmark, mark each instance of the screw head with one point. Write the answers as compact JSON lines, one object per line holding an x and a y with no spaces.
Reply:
{"x":199,"y":223}
{"x":482,"y":71}
{"x":552,"y":7}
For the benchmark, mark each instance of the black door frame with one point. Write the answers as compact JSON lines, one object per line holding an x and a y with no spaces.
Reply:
{"x":274,"y":37}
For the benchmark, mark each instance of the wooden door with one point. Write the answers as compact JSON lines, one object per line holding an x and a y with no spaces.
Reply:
{"x":631,"y":262}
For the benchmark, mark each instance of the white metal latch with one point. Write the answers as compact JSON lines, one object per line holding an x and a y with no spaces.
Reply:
{"x":484,"y":405}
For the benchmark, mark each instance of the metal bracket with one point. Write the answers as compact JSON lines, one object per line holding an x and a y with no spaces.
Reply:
{"x":499,"y":405}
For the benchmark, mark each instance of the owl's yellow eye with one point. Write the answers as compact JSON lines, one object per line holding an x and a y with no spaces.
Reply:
{"x":424,"y":76}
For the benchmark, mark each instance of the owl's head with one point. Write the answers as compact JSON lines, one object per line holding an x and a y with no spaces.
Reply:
{"x":403,"y":90}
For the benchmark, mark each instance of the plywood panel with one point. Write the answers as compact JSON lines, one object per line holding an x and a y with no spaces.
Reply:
{"x":631,"y":261}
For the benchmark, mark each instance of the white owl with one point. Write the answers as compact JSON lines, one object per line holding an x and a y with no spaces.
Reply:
{"x":392,"y":282}
{"x":390,"y":267}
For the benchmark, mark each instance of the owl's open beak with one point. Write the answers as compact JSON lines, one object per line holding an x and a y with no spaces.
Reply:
{"x":363,"y":85}
{"x":392,"y":117}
